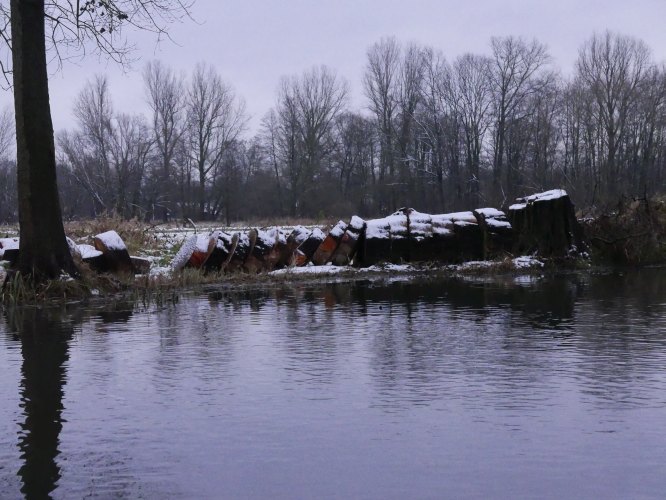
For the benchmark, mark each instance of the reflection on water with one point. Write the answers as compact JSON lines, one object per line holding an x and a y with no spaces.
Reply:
{"x":515,"y":387}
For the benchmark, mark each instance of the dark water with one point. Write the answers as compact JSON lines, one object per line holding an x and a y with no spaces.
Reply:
{"x":548,"y":388}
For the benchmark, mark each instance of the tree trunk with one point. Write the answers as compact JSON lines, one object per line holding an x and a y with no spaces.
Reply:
{"x":44,"y":252}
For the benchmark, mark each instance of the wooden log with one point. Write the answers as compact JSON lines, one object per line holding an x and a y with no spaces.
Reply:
{"x":263,"y":254}
{"x":223,"y":251}
{"x":93,"y":258}
{"x":375,"y":245}
{"x":496,"y":232}
{"x":115,"y":252}
{"x":422,"y":244}
{"x":243,"y":249}
{"x":141,"y":264}
{"x":327,"y":247}
{"x":346,"y":250}
{"x":205,"y":244}
{"x":295,"y":239}
{"x":399,"y":231}
{"x":307,"y":249}
{"x":546,"y":224}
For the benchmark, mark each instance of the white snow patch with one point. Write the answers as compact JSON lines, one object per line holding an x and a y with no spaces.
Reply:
{"x":111,"y":240}
{"x":518,"y":206}
{"x":9,"y":243}
{"x":490,"y":212}
{"x":498,"y":223}
{"x":319,"y":270}
{"x":318,"y":234}
{"x":553,"y":194}
{"x":339,"y":229}
{"x":378,"y":228}
{"x":186,"y":250}
{"x":526,"y":262}
{"x":356,"y":223}
{"x":88,"y":251}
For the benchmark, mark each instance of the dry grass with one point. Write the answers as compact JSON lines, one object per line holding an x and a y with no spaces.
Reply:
{"x":137,"y":235}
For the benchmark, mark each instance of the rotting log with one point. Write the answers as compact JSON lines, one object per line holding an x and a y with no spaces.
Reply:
{"x":330,"y":244}
{"x":344,"y":254}
{"x":307,"y":249}
{"x":423,"y":246}
{"x":375,"y":245}
{"x":141,"y":264}
{"x":205,"y":244}
{"x":115,"y":252}
{"x":496,"y":232}
{"x":295,"y":239}
{"x":243,"y":249}
{"x":225,"y":245}
{"x":546,"y":224}
{"x":264,"y":253}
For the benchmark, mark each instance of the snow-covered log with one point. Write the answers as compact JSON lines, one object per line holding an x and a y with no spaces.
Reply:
{"x":496,"y":232}
{"x":9,"y":248}
{"x":243,"y":249}
{"x":115,"y":252}
{"x":223,"y":250}
{"x":307,"y":249}
{"x":265,"y":252}
{"x":545,"y":223}
{"x":344,"y":254}
{"x":325,"y":251}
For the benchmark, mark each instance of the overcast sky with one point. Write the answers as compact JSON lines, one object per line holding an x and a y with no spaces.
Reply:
{"x":253,"y":43}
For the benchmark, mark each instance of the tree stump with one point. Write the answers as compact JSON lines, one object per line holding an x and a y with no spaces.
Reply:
{"x":115,"y":252}
{"x":546,"y":224}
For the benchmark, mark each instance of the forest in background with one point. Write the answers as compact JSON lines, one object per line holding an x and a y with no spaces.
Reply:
{"x":434,"y":134}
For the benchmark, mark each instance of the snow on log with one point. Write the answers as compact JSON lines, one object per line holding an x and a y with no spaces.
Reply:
{"x":376,"y":245}
{"x":327,"y":247}
{"x":496,"y":232}
{"x":223,"y":251}
{"x":115,"y":252}
{"x":265,"y":253}
{"x":184,"y":253}
{"x":295,"y":239}
{"x":344,"y":254}
{"x":545,"y":223}
{"x":423,"y":246}
{"x":205,"y":244}
{"x":243,"y":249}
{"x":9,"y":248}
{"x":307,"y":249}
{"x":283,"y":249}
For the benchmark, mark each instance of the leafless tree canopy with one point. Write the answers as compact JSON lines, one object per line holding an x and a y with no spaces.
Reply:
{"x":432,"y":133}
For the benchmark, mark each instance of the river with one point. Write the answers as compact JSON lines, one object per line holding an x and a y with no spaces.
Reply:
{"x":507,"y":387}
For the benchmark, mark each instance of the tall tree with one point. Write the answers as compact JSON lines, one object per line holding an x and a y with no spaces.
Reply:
{"x":44,"y":251}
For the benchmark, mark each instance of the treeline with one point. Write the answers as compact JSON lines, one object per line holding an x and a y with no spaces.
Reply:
{"x":436,"y":135}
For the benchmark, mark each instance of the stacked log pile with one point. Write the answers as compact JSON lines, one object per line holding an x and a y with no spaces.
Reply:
{"x":542,"y":224}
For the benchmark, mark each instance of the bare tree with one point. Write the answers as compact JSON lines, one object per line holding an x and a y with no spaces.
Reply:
{"x":306,"y":108}
{"x":216,"y":117}
{"x":516,"y":62}
{"x":470,"y":95}
{"x":612,"y":67}
{"x":166,"y":98}
{"x":44,"y":251}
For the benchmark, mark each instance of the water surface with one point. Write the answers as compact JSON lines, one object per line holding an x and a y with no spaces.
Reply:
{"x":510,"y":388}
